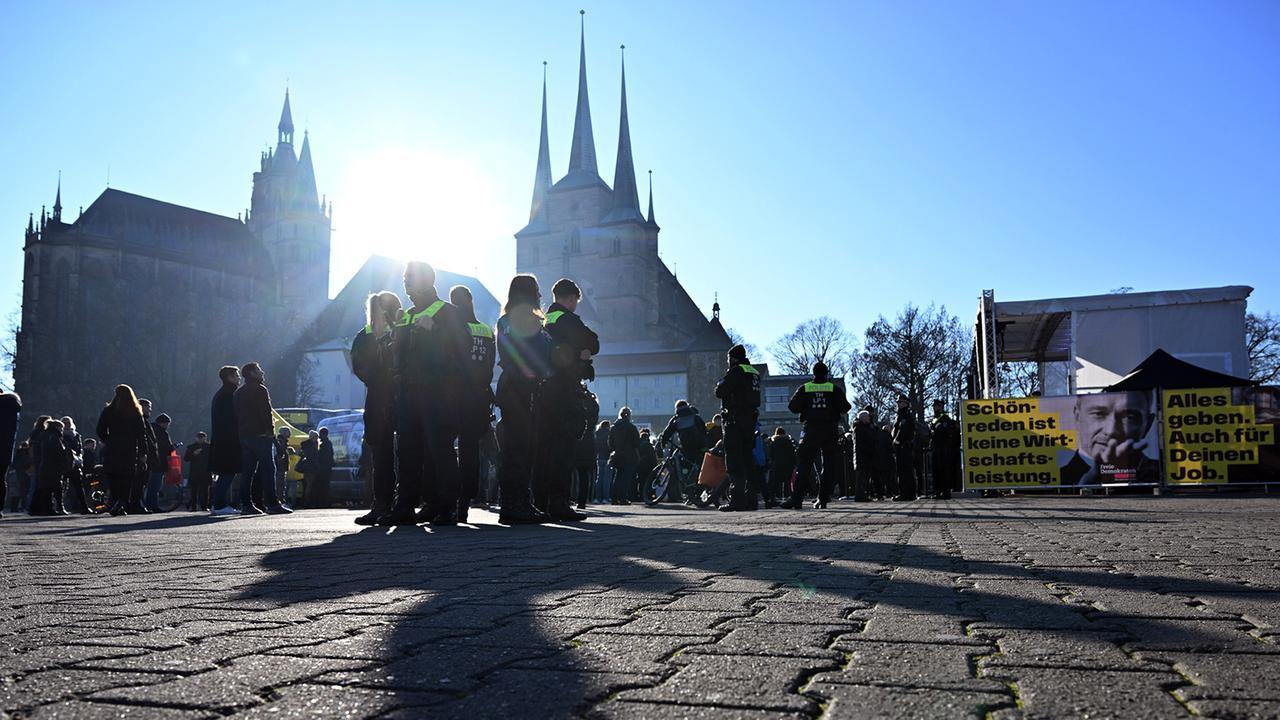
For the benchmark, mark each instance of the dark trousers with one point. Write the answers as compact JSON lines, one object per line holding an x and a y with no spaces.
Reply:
{"x":120,"y":486}
{"x":779,"y":478}
{"x":257,"y":470}
{"x":4,"y":484}
{"x":470,"y":434}
{"x":739,"y":457}
{"x":78,"y":484}
{"x":866,"y":483}
{"x":906,"y":471}
{"x":383,"y":469}
{"x":138,"y":489}
{"x":584,"y":473}
{"x":624,"y":479}
{"x":427,"y":467}
{"x":515,"y":464}
{"x":558,"y":425}
{"x":199,"y":494}
{"x":946,"y":478}
{"x":824,"y":440}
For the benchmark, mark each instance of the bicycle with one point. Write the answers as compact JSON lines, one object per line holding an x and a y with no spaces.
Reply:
{"x":674,"y":468}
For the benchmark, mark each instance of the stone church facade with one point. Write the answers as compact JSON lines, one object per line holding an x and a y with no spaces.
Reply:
{"x":158,"y":296}
{"x":656,"y":345}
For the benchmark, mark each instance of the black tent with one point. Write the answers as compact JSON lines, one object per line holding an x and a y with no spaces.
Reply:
{"x":1162,"y":370}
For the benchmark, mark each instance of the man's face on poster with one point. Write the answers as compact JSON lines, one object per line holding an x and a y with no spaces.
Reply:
{"x":1111,"y":427}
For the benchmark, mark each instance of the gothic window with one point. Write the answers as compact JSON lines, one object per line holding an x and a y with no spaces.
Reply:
{"x":617,"y":246}
{"x":575,"y":243}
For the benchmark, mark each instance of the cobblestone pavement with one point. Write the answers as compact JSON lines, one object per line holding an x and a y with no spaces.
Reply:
{"x":1006,"y":608}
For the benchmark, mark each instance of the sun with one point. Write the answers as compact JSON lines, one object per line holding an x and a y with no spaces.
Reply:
{"x":415,"y":203}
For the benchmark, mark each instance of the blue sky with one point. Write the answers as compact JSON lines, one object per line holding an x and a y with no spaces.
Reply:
{"x":809,"y":158}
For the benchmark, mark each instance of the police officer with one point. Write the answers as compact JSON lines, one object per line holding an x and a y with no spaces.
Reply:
{"x":476,"y":410}
{"x":524,"y":352}
{"x":820,"y":405}
{"x":372,"y":360}
{"x":945,"y":452}
{"x":689,"y":426}
{"x":904,"y":436}
{"x":432,"y":346}
{"x":739,"y":393}
{"x":559,"y":404}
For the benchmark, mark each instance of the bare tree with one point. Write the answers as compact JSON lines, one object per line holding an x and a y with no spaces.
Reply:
{"x":9,"y":348}
{"x":867,"y":389}
{"x":753,"y":352}
{"x":307,"y":390}
{"x":821,"y":339}
{"x":921,"y":354}
{"x":1019,"y":379}
{"x":1262,"y":340}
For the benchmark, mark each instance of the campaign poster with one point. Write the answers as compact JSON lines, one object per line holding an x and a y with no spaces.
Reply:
{"x":1221,"y":435}
{"x":1102,"y":439}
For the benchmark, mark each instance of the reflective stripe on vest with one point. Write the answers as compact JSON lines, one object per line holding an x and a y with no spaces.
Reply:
{"x":749,"y":370}
{"x":368,"y":329}
{"x":430,"y":312}
{"x":819,"y":387}
{"x":479,"y":329}
{"x":553,"y":316}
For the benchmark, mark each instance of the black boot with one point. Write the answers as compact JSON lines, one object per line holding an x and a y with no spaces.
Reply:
{"x":397,"y":517}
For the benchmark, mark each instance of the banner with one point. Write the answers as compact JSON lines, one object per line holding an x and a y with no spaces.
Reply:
{"x":1221,"y":435}
{"x":1041,"y":442}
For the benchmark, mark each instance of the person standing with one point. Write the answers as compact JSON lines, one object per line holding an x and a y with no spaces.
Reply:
{"x":862,"y":436}
{"x":600,"y":439}
{"x":160,"y":460}
{"x":820,"y":404}
{"x":142,"y":483}
{"x":945,"y":453}
{"x":372,"y":357}
{"x":585,"y":463}
{"x":648,"y":460}
{"x":739,"y":393}
{"x":624,"y":454}
{"x":904,"y":436}
{"x":324,"y":471}
{"x":782,"y":463}
{"x":10,"y":409}
{"x":123,"y":432}
{"x":224,"y":440}
{"x":74,"y":481}
{"x":432,"y":344}
{"x":524,"y":350}
{"x":198,"y":475}
{"x":280,"y":446}
{"x":476,"y":408}
{"x":257,"y":453}
{"x":559,"y":409}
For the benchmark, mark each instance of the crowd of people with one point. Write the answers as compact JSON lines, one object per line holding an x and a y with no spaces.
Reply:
{"x":429,"y":438}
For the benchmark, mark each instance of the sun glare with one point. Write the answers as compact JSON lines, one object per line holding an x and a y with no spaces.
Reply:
{"x":414,"y":203}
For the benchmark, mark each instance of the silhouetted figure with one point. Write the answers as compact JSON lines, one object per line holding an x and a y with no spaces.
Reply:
{"x":257,"y":452}
{"x":904,"y":436}
{"x":739,"y":393}
{"x":224,"y":440}
{"x":624,"y":454}
{"x":524,"y":356}
{"x":944,"y":453}
{"x":10,"y":407}
{"x":373,"y":362}
{"x":123,"y":432}
{"x":324,"y":470}
{"x":475,"y":399}
{"x":782,"y":456}
{"x":199,"y":476}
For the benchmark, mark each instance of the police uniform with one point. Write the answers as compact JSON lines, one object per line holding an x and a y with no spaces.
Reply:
{"x":433,"y":345}
{"x":820,"y":405}
{"x":739,"y":393}
{"x":904,"y":436}
{"x":560,"y":410}
{"x":524,"y":352}
{"x":475,"y":411}
{"x":372,"y":362}
{"x":945,"y":455}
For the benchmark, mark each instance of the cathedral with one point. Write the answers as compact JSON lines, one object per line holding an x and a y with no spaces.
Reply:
{"x":656,"y":346}
{"x":158,"y":296}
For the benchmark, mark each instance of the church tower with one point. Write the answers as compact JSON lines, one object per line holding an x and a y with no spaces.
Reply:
{"x":582,"y":229}
{"x":289,"y":217}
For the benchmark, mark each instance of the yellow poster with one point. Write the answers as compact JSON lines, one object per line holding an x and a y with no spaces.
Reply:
{"x":1012,"y":443}
{"x":1206,"y":434}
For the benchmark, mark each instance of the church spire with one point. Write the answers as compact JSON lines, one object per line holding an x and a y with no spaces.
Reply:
{"x":305,"y":196}
{"x":285,"y":127}
{"x":582,"y":155}
{"x":57,"y":200}
{"x":651,"y":222}
{"x":626,"y":198}
{"x":542,"y":175}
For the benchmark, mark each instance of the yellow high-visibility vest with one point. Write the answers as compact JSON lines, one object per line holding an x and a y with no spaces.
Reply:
{"x":430,"y":312}
{"x":814,"y":387}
